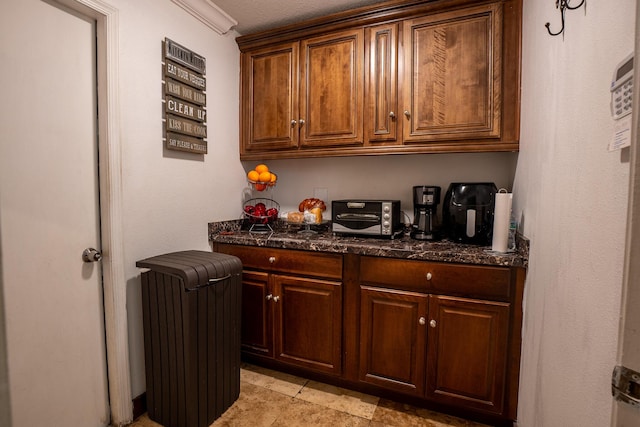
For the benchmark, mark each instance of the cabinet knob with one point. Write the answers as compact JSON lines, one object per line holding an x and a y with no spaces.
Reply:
{"x":276,"y":299}
{"x":422,"y":321}
{"x":301,"y":122}
{"x":293,"y":123}
{"x":269,"y":297}
{"x":429,"y":276}
{"x":392,"y":115}
{"x":407,"y":113}
{"x":272,"y":259}
{"x":432,"y":323}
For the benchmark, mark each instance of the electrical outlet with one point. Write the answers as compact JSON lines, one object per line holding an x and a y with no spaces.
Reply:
{"x":322,"y":194}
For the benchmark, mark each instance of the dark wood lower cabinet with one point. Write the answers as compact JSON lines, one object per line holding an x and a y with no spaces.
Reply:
{"x":257,"y":320}
{"x":288,"y":316}
{"x":467,"y":357}
{"x":446,"y":335}
{"x":392,"y":340}
{"x":460,"y":343}
{"x":308,"y":323}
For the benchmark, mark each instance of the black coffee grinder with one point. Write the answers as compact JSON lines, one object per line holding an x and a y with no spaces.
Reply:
{"x":425,"y":202}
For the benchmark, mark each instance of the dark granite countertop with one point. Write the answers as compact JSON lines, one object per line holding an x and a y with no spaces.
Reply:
{"x":288,"y":237}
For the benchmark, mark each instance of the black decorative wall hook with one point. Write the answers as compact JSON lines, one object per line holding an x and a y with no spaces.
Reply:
{"x":563,"y":5}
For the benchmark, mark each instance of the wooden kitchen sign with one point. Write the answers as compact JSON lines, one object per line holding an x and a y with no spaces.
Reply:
{"x":185,"y":121}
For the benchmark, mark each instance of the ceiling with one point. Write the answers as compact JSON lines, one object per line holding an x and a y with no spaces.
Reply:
{"x":254,"y":16}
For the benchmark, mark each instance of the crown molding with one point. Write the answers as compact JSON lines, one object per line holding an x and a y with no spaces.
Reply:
{"x":208,"y":13}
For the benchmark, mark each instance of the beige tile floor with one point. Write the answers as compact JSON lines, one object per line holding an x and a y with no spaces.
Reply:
{"x":274,"y":399}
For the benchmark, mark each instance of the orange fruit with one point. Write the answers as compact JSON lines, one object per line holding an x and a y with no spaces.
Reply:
{"x":274,"y":178}
{"x":262,"y":168}
{"x":265,"y":177}
{"x":253,"y":175}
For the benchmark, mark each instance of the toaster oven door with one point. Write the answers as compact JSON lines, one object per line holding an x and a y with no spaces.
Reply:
{"x":358,"y":221}
{"x":363,"y":220}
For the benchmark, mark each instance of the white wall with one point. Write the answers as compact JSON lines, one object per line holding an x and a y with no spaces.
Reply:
{"x":384,"y":177}
{"x":169,"y":196}
{"x":572,"y":194}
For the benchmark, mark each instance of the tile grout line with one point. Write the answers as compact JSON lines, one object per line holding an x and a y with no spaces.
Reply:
{"x":306,"y":383}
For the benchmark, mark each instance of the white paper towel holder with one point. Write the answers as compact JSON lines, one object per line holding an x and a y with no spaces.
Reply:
{"x":501,"y":225}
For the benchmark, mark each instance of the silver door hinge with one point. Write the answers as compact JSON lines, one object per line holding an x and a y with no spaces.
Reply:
{"x":625,"y":385}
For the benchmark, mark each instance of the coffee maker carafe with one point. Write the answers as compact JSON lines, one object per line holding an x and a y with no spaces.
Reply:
{"x":425,"y":202}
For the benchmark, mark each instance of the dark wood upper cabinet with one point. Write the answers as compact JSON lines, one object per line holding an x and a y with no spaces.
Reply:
{"x":381,"y":80}
{"x":269,"y":99}
{"x":303,"y":95}
{"x":399,"y":77}
{"x":452,"y":81}
{"x":332,"y":90}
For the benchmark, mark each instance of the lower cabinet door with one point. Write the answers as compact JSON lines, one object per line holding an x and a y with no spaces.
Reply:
{"x":392,"y":339}
{"x":467,"y":356}
{"x":308,"y":322}
{"x":257,"y":323}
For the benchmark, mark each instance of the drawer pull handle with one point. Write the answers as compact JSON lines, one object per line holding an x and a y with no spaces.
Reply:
{"x":429,"y":276}
{"x":422,"y":321}
{"x":272,"y":259}
{"x":276,"y":298}
{"x":432,"y":323}
{"x":269,"y":297}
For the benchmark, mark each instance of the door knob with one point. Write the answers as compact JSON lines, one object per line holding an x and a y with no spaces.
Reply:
{"x":91,"y":255}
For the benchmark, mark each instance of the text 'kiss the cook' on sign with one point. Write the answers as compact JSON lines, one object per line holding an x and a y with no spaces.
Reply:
{"x":185,"y":126}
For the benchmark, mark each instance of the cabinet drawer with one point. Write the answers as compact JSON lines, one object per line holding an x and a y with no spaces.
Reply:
{"x":432,"y":277}
{"x":287,"y":260}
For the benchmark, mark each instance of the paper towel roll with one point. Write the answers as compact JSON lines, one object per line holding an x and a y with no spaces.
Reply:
{"x":501,"y":221}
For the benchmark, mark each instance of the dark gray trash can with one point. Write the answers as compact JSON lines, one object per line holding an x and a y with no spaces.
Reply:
{"x":191,"y":312}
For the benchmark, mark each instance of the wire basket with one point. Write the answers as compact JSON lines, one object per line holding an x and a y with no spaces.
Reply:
{"x":262,"y":186}
{"x":261,"y":213}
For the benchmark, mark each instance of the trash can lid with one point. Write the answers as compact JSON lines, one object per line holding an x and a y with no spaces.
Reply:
{"x":195,"y":268}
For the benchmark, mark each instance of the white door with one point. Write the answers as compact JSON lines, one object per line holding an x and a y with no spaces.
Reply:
{"x":624,"y":413}
{"x":49,"y":214}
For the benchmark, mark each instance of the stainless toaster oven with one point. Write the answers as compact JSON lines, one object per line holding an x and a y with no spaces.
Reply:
{"x":380,"y":218}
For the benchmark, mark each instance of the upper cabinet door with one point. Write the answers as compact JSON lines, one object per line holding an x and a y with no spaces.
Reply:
{"x":331,"y":89}
{"x":269,"y":98}
{"x":381,"y":80}
{"x":452,"y":81}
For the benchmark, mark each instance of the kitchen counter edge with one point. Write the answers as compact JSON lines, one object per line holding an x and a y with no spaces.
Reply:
{"x":232,"y":232}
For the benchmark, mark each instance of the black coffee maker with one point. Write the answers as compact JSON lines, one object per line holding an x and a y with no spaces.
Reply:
{"x":425,"y":203}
